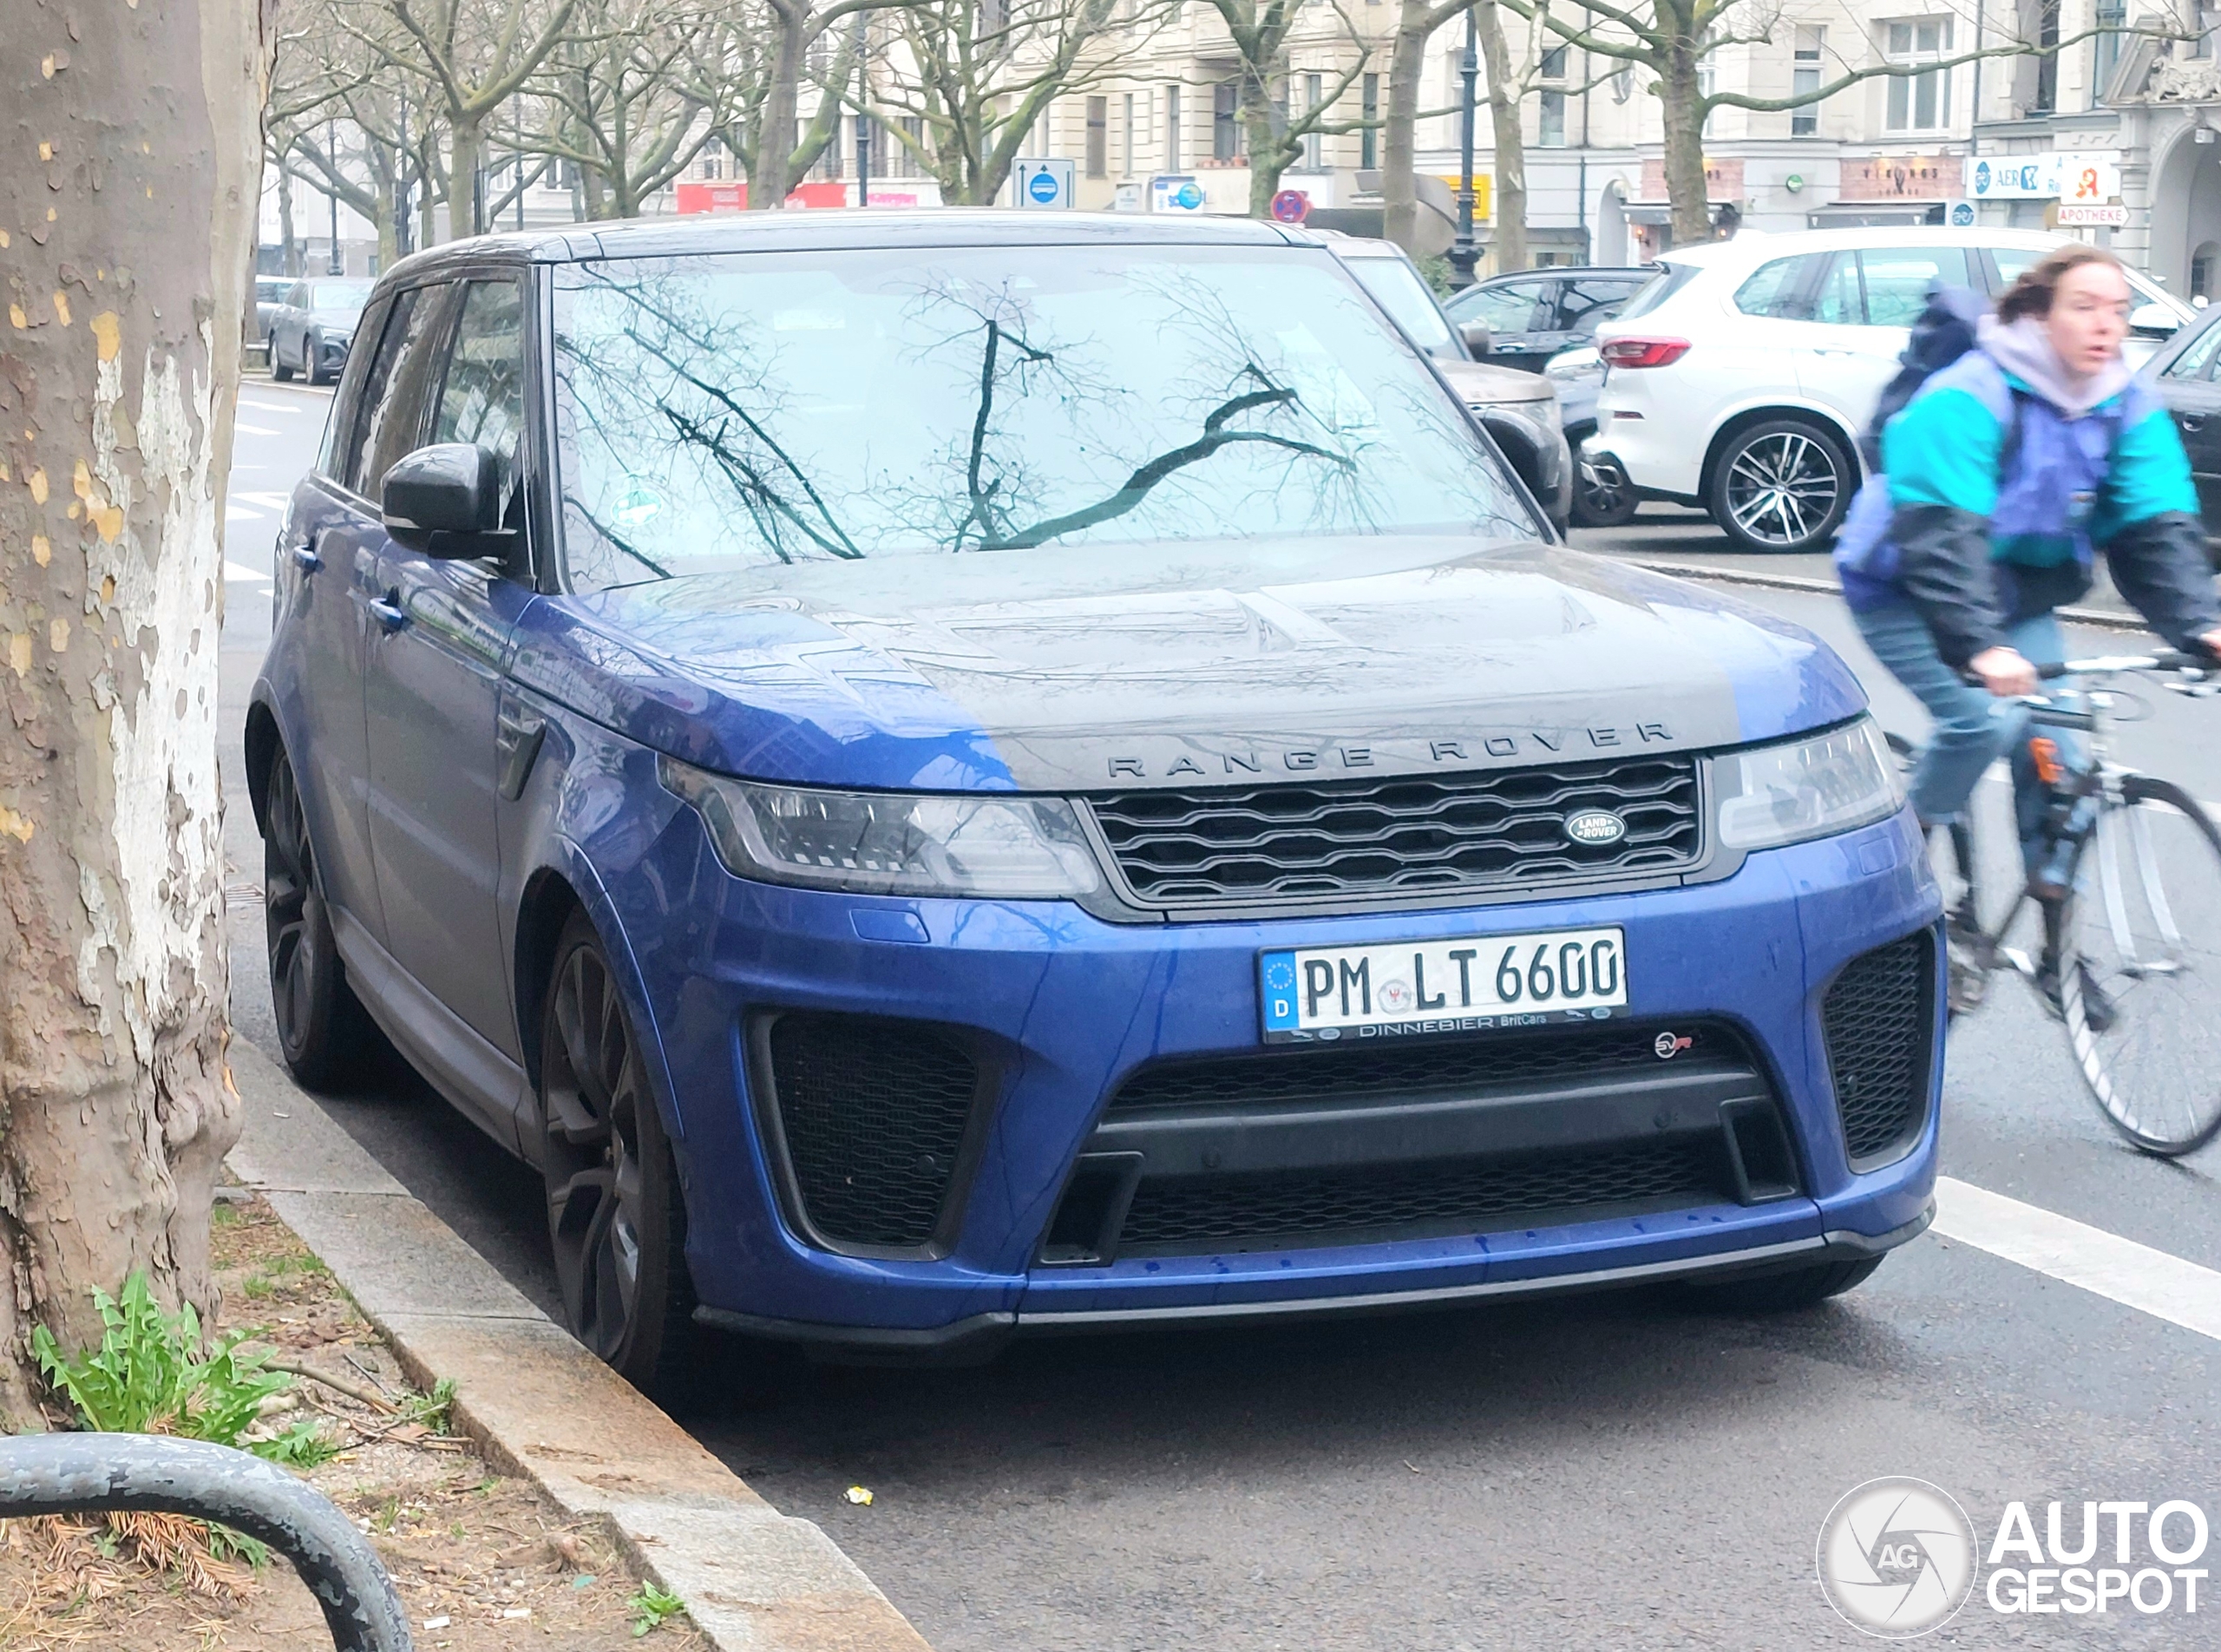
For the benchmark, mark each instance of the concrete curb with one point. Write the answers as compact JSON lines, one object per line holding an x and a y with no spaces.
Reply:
{"x":754,"y":1580}
{"x":2108,"y":618}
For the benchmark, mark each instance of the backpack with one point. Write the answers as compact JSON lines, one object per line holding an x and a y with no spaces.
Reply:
{"x":1865,"y":556}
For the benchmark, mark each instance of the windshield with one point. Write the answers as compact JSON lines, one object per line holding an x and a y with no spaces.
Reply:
{"x":338,"y":295}
{"x":1403,"y":294}
{"x":1669,"y":280}
{"x":729,"y":411}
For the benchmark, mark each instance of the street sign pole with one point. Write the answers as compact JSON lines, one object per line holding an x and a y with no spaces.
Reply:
{"x":1463,"y":255}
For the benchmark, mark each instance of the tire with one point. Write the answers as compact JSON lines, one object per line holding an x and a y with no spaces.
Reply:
{"x":616,"y":1216}
{"x":280,"y":369}
{"x":1602,"y":495}
{"x":2144,"y":921}
{"x":326,"y":1036}
{"x":1781,"y":486}
{"x":1786,"y":1293}
{"x":312,"y":361}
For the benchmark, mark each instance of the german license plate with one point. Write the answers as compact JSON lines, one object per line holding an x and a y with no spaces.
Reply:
{"x":1325,"y":993}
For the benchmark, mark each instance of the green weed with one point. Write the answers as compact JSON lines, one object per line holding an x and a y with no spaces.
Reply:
{"x":434,"y":1409}
{"x":151,"y":1375}
{"x":651,"y":1607}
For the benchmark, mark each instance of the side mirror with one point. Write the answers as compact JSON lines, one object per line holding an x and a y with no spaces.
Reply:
{"x":1480,"y":341}
{"x":2153,"y":321}
{"x":445,"y":500}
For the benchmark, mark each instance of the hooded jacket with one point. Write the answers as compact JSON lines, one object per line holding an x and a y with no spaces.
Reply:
{"x":1994,"y":500}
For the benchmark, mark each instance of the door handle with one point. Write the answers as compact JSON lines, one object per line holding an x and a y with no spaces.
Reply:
{"x":389,"y":612}
{"x":306,"y":556}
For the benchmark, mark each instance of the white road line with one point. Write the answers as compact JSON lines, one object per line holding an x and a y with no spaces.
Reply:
{"x":255,"y":429}
{"x":2137,"y":1277}
{"x":274,"y":500}
{"x":241,"y":570}
{"x":271,"y":407}
{"x":235,"y":512}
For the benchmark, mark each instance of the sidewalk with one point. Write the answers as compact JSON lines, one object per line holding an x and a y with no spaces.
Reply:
{"x":541,"y":1406}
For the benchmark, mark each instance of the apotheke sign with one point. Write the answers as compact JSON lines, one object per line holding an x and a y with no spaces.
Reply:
{"x":2053,"y":175}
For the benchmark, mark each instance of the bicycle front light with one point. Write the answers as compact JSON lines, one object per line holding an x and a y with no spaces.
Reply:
{"x":980,"y":845}
{"x":1825,"y":784}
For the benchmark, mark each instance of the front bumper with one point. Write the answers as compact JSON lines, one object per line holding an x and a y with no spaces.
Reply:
{"x":1066,"y":1007}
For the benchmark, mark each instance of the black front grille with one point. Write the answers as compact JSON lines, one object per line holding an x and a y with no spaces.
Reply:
{"x":1297,"y":1074}
{"x":1880,"y":1021}
{"x":1411,"y":835}
{"x":1413,"y":1201}
{"x":873,"y":1113}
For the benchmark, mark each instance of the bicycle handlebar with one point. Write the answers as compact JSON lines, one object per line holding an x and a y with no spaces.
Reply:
{"x":2164,"y":659}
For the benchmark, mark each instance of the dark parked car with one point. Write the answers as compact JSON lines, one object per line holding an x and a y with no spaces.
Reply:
{"x":1533,"y":314}
{"x":1520,"y":412}
{"x":953,"y":775}
{"x":311,"y":331}
{"x":2185,"y":375}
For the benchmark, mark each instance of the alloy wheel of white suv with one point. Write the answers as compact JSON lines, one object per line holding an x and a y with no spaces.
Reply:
{"x":1781,"y":485}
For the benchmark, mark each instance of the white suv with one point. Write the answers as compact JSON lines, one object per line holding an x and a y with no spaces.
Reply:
{"x":1740,"y":378}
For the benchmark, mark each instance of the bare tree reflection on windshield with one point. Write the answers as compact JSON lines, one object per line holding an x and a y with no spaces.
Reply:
{"x":711,"y":415}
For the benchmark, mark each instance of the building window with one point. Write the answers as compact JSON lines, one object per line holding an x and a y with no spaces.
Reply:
{"x":1553,"y":98}
{"x":1098,"y":137}
{"x":1226,"y":122}
{"x":712,"y":161}
{"x":1919,"y":103}
{"x":2045,"y":33}
{"x":2111,"y":17}
{"x":1172,"y":128}
{"x":1314,"y":145}
{"x":1804,"y":79}
{"x":1368,"y":141}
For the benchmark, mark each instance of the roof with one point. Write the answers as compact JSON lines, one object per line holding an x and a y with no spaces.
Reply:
{"x":806,"y":230}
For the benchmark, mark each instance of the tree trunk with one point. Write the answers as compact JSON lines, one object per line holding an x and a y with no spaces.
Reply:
{"x":1508,"y":242}
{"x":1415,"y":26}
{"x":285,"y":223}
{"x":769,"y":179}
{"x":1265,"y":134}
{"x":130,"y":214}
{"x":464,"y":143}
{"x":1681,"y":104}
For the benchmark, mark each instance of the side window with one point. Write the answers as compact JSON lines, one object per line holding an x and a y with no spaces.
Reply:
{"x":296,"y":296}
{"x":1510,"y":308}
{"x":2197,"y":362}
{"x":1586,"y":303}
{"x":481,"y":400}
{"x":1778,"y":288}
{"x":347,"y":403}
{"x":1897,"y":279}
{"x":1836,"y":300}
{"x":393,"y":397}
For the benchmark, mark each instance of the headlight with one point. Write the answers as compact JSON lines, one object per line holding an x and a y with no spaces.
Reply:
{"x":883,"y":843}
{"x":1773,"y":795}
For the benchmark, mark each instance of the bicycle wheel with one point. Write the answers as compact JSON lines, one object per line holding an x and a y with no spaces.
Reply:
{"x":2144,"y":934}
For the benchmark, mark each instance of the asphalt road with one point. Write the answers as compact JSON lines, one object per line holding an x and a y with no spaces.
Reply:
{"x":1621,"y":1470}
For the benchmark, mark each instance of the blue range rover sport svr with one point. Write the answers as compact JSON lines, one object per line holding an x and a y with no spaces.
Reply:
{"x":943,"y":774}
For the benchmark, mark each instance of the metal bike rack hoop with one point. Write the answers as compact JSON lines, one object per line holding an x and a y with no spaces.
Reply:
{"x":148,"y":1473}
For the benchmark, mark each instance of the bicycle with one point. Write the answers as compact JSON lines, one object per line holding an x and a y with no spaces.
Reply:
{"x":2126,"y":873}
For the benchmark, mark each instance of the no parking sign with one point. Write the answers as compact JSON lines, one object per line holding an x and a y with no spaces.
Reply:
{"x":1291,"y":206}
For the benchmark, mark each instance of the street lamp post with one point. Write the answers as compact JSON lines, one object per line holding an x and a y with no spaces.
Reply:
{"x":1463,"y":255}
{"x":863,"y":110}
{"x":333,"y":265}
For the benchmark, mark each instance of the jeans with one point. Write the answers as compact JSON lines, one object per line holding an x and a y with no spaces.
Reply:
{"x":1973,"y":727}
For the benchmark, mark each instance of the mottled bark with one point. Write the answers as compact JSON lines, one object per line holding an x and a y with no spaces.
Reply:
{"x":1507,"y":240}
{"x":1681,"y":105}
{"x":127,"y":225}
{"x":1415,"y":24}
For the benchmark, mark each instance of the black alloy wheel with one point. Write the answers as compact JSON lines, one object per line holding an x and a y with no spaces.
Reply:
{"x":615,"y":1214}
{"x":1602,"y":495}
{"x":1782,"y":486}
{"x":326,"y":1035}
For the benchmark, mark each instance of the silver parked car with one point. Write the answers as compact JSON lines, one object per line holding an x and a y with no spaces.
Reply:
{"x":311,"y":329}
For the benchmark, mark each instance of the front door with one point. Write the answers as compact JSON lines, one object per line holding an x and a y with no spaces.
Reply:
{"x":440,"y":637}
{"x":1863,"y":307}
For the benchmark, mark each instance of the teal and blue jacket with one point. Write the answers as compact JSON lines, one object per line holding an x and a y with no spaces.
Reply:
{"x":1992,"y":504}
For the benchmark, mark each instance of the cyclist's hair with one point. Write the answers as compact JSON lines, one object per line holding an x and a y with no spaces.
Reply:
{"x":2031,"y":295}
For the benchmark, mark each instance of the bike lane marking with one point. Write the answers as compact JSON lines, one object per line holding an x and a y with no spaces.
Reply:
{"x":2151,"y":1282}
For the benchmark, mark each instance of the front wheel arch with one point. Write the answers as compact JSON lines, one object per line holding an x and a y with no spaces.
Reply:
{"x":1725,"y":437}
